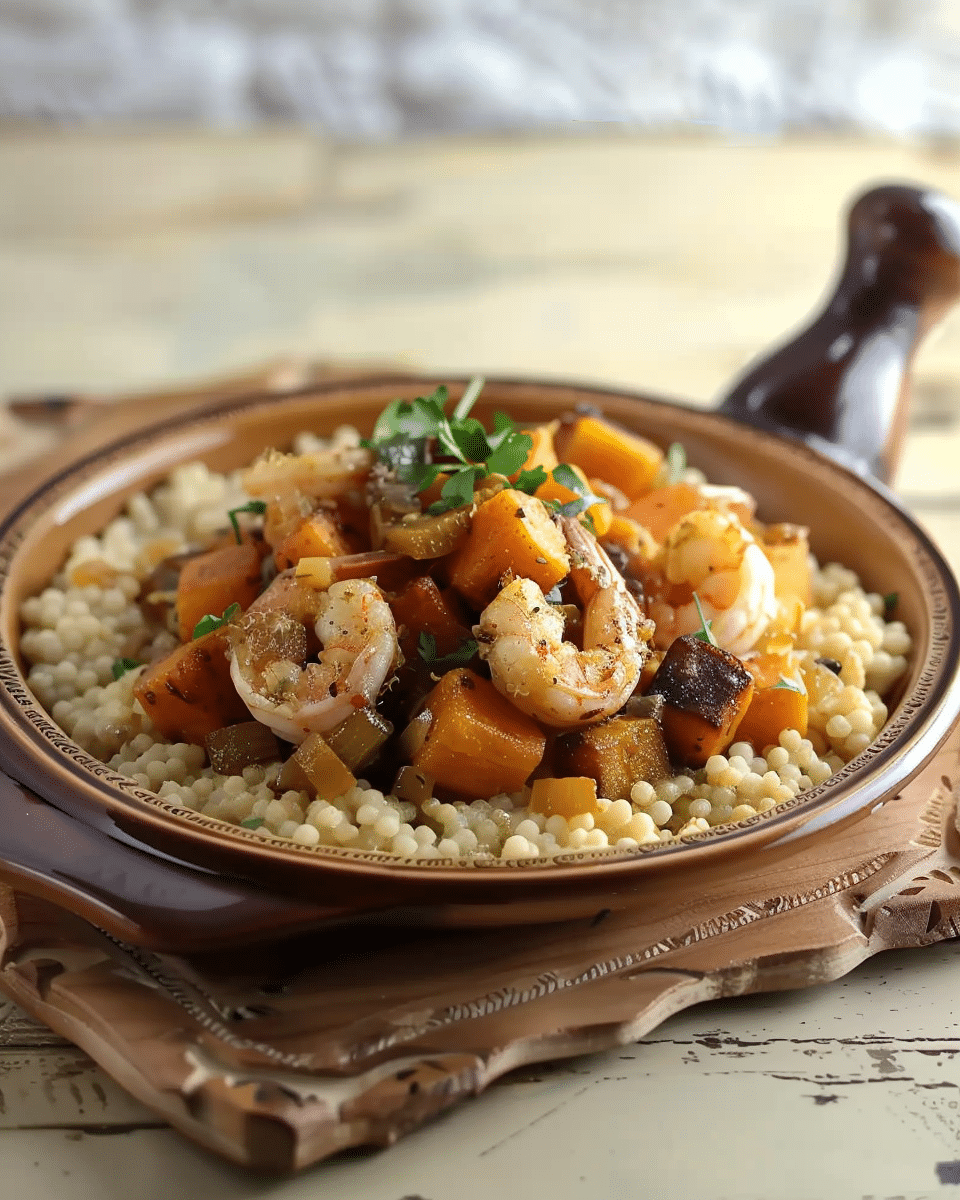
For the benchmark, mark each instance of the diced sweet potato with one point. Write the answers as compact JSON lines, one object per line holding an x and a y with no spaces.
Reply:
{"x":542,"y":453}
{"x":568,"y":797}
{"x":510,"y":532}
{"x":477,"y":743}
{"x":770,"y":712}
{"x":318,"y":536}
{"x":706,"y":692}
{"x":617,"y":754}
{"x":189,"y":693}
{"x":211,"y":582}
{"x":616,"y":455}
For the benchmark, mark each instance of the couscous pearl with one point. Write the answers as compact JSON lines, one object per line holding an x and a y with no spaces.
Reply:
{"x":305,"y":835}
{"x":660,"y":812}
{"x":700,"y":808}
{"x":448,"y":848}
{"x":387,"y":826}
{"x":528,"y":829}
{"x":582,"y":821}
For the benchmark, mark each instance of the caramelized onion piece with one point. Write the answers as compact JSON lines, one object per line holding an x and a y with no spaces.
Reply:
{"x":413,"y":786}
{"x":238,"y":746}
{"x":358,"y":740}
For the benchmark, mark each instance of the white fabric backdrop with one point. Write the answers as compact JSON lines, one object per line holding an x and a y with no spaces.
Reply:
{"x":381,"y":68}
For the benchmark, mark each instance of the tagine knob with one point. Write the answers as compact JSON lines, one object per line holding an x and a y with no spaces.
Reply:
{"x":843,"y":382}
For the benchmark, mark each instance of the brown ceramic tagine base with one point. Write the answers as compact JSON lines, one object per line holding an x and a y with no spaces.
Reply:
{"x":285,"y":1029}
{"x":284,"y":1055}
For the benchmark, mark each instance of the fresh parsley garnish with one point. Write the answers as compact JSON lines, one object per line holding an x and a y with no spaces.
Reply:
{"x":890,"y":602}
{"x":676,"y":462}
{"x":209,"y":623}
{"x":258,"y":507}
{"x":787,"y":684}
{"x":419,"y":441}
{"x":427,"y":649}
{"x":703,"y":634}
{"x":252,"y":822}
{"x":122,"y":665}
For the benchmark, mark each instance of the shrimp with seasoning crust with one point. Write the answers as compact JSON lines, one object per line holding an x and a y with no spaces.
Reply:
{"x":520,"y":636}
{"x":270,"y":647}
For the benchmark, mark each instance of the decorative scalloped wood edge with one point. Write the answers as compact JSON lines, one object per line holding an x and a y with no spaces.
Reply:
{"x":287,"y":1054}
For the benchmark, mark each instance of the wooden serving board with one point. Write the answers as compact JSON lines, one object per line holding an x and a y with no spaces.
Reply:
{"x":286,"y":1054}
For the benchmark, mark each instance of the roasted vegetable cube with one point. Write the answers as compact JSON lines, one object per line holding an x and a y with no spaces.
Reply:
{"x":477,"y":743}
{"x":706,"y":692}
{"x":510,"y":532}
{"x":189,"y":693}
{"x":568,"y":797}
{"x":211,"y":582}
{"x":617,"y":754}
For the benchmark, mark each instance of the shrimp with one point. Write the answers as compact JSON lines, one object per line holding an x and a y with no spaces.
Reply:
{"x":520,"y":636}
{"x":320,"y":474}
{"x":270,"y":645}
{"x":711,"y":554}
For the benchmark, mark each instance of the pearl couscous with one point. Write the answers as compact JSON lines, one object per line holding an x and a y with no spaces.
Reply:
{"x":840,"y":650}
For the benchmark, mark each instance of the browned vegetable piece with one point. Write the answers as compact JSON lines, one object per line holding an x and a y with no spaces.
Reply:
{"x":422,"y":608}
{"x":567,"y":797}
{"x":412,"y":785}
{"x":617,"y":754}
{"x":319,"y":535}
{"x":211,"y":582}
{"x":358,"y":740}
{"x":424,"y":536}
{"x":326,"y":773}
{"x":706,"y":692}
{"x":477,"y":744}
{"x":189,"y":693}
{"x":237,"y":746}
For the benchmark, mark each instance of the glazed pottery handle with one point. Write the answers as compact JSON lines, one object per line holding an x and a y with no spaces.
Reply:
{"x":134,"y":893}
{"x":842,"y":383}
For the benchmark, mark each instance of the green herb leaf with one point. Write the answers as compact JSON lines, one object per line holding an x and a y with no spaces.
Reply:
{"x":567,"y":477}
{"x":704,"y":634}
{"x":529,"y":481}
{"x":418,"y":418}
{"x":421,"y":474}
{"x":252,"y":822}
{"x":259,"y":507}
{"x":789,"y":685}
{"x":467,"y":440}
{"x":122,"y":665}
{"x":676,"y":462}
{"x":510,"y":455}
{"x":209,"y":623}
{"x":890,"y":602}
{"x":427,"y":649}
{"x":457,"y":491}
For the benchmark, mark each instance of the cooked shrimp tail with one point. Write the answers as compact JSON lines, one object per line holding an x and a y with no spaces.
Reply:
{"x":294,"y":697}
{"x":520,"y":636}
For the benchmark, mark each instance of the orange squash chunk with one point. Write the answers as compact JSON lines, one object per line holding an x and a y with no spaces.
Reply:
{"x":510,"y":532}
{"x":567,"y":797}
{"x":542,"y":452}
{"x":477,"y":743}
{"x":189,"y":694}
{"x":211,"y":582}
{"x":318,"y":536}
{"x":706,"y":692}
{"x":604,"y":451}
{"x":771,"y":711}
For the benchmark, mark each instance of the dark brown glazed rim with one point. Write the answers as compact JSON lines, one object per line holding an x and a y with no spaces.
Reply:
{"x":180,"y":852}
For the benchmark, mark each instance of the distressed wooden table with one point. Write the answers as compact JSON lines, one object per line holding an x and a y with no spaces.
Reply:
{"x":128,"y":261}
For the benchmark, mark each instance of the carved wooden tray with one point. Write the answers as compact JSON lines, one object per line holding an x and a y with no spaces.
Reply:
{"x":281,"y":1056}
